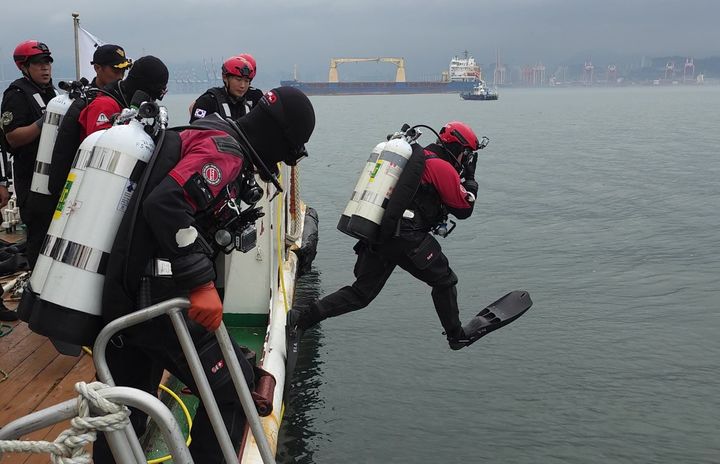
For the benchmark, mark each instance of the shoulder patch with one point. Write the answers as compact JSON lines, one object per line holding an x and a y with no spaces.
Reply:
{"x":200,"y":113}
{"x":227,"y":144}
{"x":6,"y":118}
{"x":212,"y":174}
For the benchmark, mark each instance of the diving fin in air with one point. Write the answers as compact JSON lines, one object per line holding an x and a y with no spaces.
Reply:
{"x":494,"y":316}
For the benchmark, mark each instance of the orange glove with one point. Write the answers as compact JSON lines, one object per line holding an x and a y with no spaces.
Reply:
{"x":205,"y":306}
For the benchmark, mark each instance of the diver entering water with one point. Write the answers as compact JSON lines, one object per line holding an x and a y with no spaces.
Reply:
{"x":446,"y":186}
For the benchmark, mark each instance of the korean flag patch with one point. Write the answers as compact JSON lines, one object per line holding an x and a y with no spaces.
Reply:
{"x":200,"y":113}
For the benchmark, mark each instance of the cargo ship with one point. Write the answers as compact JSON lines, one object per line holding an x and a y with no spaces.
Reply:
{"x":462,"y":74}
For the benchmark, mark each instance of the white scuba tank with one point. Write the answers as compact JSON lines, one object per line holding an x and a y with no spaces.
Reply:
{"x":381,"y":180}
{"x":56,"y":109}
{"x":359,"y":187}
{"x":62,"y":212}
{"x":69,"y":305}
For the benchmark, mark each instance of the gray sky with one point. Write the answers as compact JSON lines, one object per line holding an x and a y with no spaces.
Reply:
{"x":307,"y":33}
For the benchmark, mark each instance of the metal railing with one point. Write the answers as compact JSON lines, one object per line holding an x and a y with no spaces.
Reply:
{"x":125,"y":444}
{"x":123,"y":395}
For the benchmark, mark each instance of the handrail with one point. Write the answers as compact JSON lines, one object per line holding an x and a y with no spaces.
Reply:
{"x":172,"y":308}
{"x":125,"y":395}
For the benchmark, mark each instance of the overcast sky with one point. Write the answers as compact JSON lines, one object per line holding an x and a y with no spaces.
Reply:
{"x":308,"y":33}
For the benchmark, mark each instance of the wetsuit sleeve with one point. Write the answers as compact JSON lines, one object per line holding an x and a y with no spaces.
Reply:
{"x":452,"y":192}
{"x":171,"y":207}
{"x":204,"y":105}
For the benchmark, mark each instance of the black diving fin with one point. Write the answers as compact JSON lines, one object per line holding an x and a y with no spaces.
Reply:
{"x":496,"y":315}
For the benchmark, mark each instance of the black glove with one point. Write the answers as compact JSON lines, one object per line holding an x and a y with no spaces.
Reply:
{"x":469,"y":165}
{"x":471,"y":186}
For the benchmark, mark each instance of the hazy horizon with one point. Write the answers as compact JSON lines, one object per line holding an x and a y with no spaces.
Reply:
{"x":308,"y":33}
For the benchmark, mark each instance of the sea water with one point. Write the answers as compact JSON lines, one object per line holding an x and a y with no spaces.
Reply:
{"x":603,"y":204}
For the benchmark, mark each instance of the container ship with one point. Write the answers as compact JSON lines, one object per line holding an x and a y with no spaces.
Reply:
{"x":462,"y":74}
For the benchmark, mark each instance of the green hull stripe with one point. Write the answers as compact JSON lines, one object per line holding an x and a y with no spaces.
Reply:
{"x":245,"y":320}
{"x":246,"y":329}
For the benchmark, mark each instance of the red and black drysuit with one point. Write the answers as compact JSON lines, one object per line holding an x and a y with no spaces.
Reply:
{"x":183,"y":180}
{"x":413,"y":248}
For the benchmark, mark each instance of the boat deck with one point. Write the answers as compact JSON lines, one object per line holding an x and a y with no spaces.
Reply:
{"x":34,"y":376}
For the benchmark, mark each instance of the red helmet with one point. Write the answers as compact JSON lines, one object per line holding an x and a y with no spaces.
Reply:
{"x":26,"y":50}
{"x":238,"y":66}
{"x":250,"y":59}
{"x":459,"y":132}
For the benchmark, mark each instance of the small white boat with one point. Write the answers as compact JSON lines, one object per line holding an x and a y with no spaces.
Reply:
{"x":480,"y":92}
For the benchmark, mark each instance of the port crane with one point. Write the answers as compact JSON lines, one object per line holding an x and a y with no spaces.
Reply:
{"x":399,"y":62}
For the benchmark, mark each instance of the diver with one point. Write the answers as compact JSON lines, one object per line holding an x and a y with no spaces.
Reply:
{"x":236,"y":97}
{"x":148,"y":74}
{"x":441,"y":191}
{"x":169,"y":220}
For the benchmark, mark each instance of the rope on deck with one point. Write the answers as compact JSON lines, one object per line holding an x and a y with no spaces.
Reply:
{"x":69,"y":446}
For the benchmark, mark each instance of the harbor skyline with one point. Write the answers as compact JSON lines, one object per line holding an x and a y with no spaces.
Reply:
{"x":426,"y":34}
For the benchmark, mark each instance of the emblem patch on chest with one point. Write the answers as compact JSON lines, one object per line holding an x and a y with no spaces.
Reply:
{"x":212,"y":174}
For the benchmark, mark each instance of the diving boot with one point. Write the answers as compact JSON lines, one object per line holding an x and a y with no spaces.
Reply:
{"x":457,"y":340}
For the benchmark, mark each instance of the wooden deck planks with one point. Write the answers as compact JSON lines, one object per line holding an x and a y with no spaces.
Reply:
{"x":38,"y":377}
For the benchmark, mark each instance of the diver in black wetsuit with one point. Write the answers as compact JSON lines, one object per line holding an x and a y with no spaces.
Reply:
{"x":414,"y":249}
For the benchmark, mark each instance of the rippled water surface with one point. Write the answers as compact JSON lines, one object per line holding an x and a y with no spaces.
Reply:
{"x":603,"y":204}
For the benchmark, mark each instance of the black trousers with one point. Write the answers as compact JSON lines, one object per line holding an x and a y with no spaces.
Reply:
{"x":417,"y":253}
{"x":36,"y":213}
{"x":138,"y":359}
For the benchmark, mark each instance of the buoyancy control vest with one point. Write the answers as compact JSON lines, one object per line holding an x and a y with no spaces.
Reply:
{"x":228,"y":109}
{"x":427,"y":208}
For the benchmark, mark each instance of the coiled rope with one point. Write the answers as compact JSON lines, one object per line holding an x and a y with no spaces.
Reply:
{"x":69,"y":446}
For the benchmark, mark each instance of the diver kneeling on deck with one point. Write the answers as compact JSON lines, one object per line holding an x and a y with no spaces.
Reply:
{"x":190,"y":181}
{"x":413,"y":248}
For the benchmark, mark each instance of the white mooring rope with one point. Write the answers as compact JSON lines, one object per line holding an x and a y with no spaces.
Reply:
{"x":69,"y":446}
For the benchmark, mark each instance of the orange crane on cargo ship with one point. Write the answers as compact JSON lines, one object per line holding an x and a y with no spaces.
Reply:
{"x":399,"y":62}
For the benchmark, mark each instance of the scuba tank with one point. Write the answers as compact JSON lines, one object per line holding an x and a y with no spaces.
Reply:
{"x":381,"y":182}
{"x":386,"y":188}
{"x":54,"y":113}
{"x":62,"y":211}
{"x":68,"y":307}
{"x":359,"y":188}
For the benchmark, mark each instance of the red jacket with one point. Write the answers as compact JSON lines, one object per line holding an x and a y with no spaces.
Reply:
{"x":96,"y":116}
{"x":446,"y":181}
